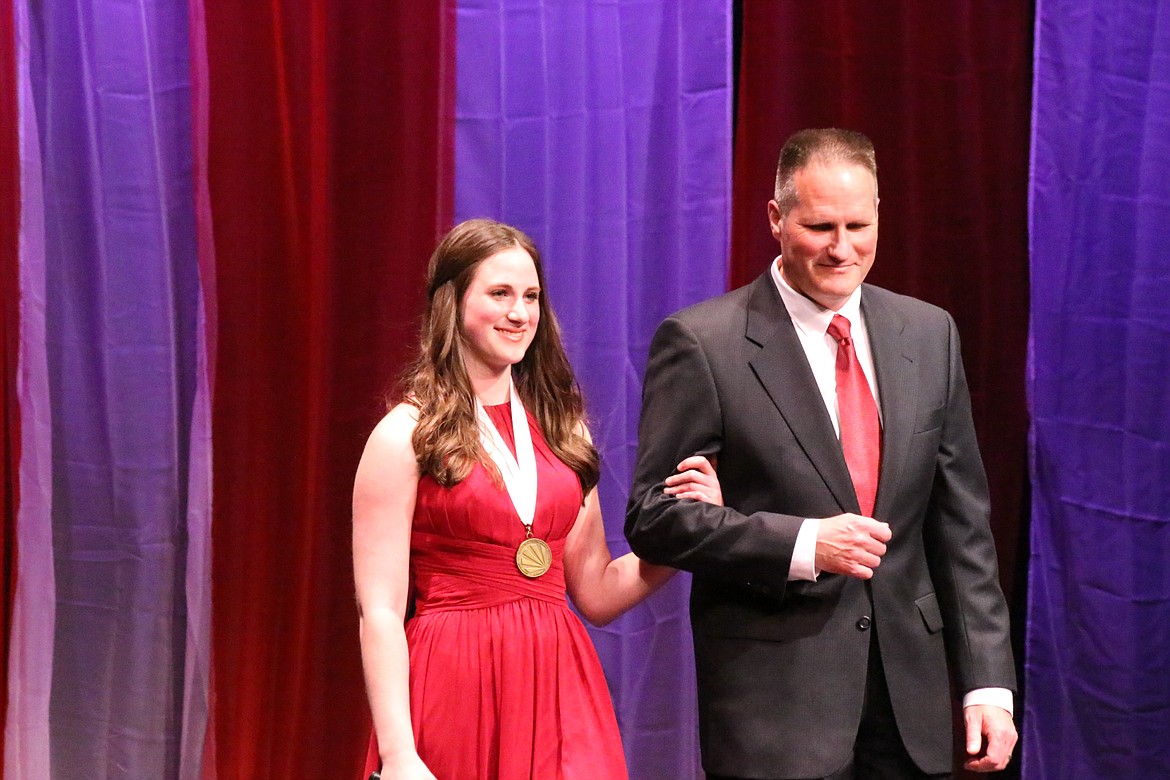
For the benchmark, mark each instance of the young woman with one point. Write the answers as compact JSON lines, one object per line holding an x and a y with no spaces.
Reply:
{"x":475,"y":504}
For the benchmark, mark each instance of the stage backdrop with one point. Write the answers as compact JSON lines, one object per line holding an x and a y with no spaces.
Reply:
{"x":1098,"y":660}
{"x":110,"y":294}
{"x":240,"y":207}
{"x":329,"y":175}
{"x":167,"y":187}
{"x":604,"y":131}
{"x":9,"y":334}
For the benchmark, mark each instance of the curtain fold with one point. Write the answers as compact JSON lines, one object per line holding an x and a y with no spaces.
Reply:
{"x":603,"y":131}
{"x":26,"y":741}
{"x":328,"y":167}
{"x":241,"y":199}
{"x":196,"y":751}
{"x":1098,"y":656}
{"x":109,"y":110}
{"x":9,"y":336}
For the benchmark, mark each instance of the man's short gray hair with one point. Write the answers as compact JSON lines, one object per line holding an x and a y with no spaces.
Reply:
{"x":825,"y":146}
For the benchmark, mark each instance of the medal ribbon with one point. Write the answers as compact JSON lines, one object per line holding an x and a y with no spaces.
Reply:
{"x":519,"y":471}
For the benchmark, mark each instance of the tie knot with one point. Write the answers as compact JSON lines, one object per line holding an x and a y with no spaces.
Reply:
{"x":839,"y":328}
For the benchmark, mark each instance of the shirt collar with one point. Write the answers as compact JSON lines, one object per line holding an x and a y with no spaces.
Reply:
{"x":807,"y":313}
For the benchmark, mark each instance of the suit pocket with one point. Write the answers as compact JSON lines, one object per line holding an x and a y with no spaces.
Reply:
{"x":931,"y":614}
{"x":930,"y":420}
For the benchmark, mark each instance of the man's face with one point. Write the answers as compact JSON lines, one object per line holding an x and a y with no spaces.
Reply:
{"x":829,"y":238}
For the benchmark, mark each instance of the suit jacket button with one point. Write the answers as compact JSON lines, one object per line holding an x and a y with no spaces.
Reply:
{"x":863,"y":623}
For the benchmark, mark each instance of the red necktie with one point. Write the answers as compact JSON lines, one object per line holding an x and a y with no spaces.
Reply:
{"x":861,"y":430}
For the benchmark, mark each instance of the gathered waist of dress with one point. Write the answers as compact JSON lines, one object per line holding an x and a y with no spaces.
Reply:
{"x":453,"y":574}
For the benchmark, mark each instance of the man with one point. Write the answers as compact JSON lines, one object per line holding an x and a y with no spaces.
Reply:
{"x":853,"y":558}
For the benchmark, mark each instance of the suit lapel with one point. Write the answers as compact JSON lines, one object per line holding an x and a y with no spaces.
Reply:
{"x":783,"y":370}
{"x":896,"y":378}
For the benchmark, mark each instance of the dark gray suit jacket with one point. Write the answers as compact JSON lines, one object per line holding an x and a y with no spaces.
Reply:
{"x":781,"y":666}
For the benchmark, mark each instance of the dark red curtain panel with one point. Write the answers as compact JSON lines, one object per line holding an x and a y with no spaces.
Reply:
{"x":943,"y":89}
{"x":9,"y":336}
{"x":330,"y":160}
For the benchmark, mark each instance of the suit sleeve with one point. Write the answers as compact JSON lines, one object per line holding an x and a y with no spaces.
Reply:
{"x":682,"y":415}
{"x":961,"y":550}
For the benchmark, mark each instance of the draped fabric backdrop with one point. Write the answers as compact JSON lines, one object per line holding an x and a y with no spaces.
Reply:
{"x":291,"y":192}
{"x":214,"y":224}
{"x":1098,"y":657}
{"x":9,"y":335}
{"x":26,"y":740}
{"x":604,"y":131}
{"x":329,"y":172}
{"x":110,"y":283}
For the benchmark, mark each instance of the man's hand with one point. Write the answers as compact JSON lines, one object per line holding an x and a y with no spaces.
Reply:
{"x":851,"y":545}
{"x":991,"y":737}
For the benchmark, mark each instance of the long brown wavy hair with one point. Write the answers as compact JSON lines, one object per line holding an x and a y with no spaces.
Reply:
{"x":446,"y":440}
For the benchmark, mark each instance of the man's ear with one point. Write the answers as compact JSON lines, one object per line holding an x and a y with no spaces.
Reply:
{"x":774,"y":218}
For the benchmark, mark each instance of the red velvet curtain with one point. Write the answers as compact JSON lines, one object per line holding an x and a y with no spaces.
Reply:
{"x":943,"y":89}
{"x":9,"y":336}
{"x":330,"y":160}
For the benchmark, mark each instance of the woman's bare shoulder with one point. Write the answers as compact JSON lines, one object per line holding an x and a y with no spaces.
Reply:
{"x":393,"y":433}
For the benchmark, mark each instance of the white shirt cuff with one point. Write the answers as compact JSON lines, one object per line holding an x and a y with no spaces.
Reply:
{"x":804,"y":554}
{"x":997,"y":697}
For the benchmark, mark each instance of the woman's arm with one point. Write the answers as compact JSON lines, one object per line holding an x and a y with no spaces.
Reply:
{"x":603,"y":588}
{"x":383,"y":506}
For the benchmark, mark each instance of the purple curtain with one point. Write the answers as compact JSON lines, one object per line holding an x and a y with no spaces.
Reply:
{"x":26,"y":743}
{"x":603,"y":130}
{"x":113,"y":277}
{"x":197,"y":760}
{"x":1098,"y":656}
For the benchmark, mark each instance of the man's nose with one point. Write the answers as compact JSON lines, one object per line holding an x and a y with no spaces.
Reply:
{"x":839,"y":246}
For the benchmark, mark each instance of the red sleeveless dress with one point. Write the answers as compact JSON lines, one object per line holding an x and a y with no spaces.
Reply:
{"x":504,"y":681}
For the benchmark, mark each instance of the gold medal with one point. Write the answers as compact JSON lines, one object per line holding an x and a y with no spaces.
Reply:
{"x":533,"y":557}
